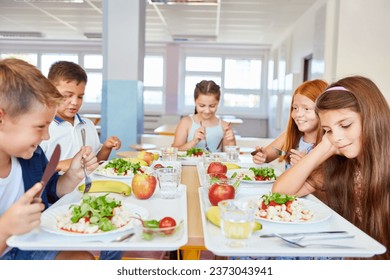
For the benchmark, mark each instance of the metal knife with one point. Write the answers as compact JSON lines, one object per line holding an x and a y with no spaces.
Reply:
{"x":50,"y":168}
{"x":220,"y":142}
{"x":291,"y":234}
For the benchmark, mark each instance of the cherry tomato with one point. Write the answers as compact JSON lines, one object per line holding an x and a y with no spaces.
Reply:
{"x":260,"y":178}
{"x":167,"y":222}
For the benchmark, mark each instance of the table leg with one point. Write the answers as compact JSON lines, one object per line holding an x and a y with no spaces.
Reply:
{"x":190,"y":252}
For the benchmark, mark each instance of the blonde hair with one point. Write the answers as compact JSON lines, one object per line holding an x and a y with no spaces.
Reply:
{"x":22,"y":85}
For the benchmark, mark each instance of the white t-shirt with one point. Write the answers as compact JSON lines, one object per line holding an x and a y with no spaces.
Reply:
{"x":69,"y":137}
{"x":11,"y":187}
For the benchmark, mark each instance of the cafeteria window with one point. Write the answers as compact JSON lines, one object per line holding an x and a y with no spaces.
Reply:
{"x":239,"y":77}
{"x":153,"y":81}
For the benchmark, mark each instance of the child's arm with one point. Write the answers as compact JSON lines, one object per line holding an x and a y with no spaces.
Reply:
{"x":267,"y":154}
{"x":23,"y":216}
{"x":228,"y":135}
{"x":63,"y":165}
{"x":112,"y":142}
{"x":181,"y":134}
{"x":70,"y":179}
{"x":294,"y":180}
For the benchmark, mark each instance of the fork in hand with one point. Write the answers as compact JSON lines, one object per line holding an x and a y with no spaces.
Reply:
{"x":205,"y":139}
{"x":88,"y":181}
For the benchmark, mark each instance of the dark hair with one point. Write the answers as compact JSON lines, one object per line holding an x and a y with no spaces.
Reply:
{"x":361,"y":183}
{"x":207,"y":88}
{"x":22,"y":85}
{"x":67,"y":71}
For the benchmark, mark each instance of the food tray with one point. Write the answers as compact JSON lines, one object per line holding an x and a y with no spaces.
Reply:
{"x":157,"y":207}
{"x":364,"y":245}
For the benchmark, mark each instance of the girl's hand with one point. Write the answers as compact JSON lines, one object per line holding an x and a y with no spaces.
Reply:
{"x":327,"y":144}
{"x":296,"y":156}
{"x":199,"y":135}
{"x":229,"y":134}
{"x":113,"y":142}
{"x":260,"y":157}
{"x":24,"y":215}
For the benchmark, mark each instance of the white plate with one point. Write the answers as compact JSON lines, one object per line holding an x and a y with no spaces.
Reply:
{"x":49,"y":220}
{"x":102,"y":172}
{"x":188,"y":160}
{"x":244,"y":170}
{"x":320,"y":213}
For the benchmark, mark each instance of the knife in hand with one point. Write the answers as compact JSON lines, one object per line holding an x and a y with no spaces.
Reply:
{"x":50,"y":168}
{"x":220,"y":142}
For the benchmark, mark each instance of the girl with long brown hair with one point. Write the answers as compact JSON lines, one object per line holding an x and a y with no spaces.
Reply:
{"x":351,"y":163}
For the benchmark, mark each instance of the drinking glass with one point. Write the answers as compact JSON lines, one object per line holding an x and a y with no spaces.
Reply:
{"x":169,"y":181}
{"x":237,"y":220}
{"x":232,"y":153}
{"x":169,"y":154}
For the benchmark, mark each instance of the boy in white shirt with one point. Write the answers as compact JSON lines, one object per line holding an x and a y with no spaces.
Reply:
{"x":70,"y":79}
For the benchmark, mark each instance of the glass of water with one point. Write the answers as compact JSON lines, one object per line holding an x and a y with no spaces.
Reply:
{"x":232,"y":153}
{"x":237,"y":220}
{"x":169,"y":154}
{"x":169,"y":181}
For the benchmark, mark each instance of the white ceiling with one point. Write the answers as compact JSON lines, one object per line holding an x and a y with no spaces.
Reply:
{"x":228,"y":21}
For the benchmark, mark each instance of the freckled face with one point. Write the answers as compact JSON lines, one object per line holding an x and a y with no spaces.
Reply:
{"x":206,"y":105}
{"x":303,"y":114}
{"x":73,"y":99}
{"x":343,"y":127}
{"x":27,"y":131}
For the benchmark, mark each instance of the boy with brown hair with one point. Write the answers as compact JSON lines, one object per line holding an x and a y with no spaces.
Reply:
{"x":70,"y":79}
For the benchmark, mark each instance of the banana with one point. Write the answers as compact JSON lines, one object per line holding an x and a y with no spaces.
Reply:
{"x":108,"y":186}
{"x":136,"y":160}
{"x":214,"y":216}
{"x":232,"y":166}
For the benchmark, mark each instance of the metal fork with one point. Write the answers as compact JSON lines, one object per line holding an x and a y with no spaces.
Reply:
{"x":205,"y":139}
{"x":300,"y":245}
{"x":88,"y":181}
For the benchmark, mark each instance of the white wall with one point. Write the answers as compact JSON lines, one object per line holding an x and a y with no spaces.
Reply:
{"x":364,"y":41}
{"x":356,"y":40}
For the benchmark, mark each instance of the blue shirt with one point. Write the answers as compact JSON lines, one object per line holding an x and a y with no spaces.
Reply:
{"x":302,"y":146}
{"x":214,"y":134}
{"x":32,"y":172}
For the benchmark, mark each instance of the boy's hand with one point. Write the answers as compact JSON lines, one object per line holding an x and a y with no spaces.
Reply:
{"x":113,"y":142}
{"x":84,"y":157}
{"x":24,"y":215}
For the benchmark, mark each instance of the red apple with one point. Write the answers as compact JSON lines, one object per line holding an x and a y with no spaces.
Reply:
{"x":143,"y":185}
{"x":148,"y":157}
{"x":216,"y":167}
{"x":219,"y":192}
{"x":218,"y":175}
